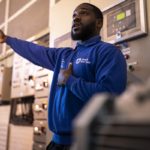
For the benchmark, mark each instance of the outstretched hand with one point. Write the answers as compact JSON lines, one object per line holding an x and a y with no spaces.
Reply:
{"x":3,"y":37}
{"x":64,"y":74}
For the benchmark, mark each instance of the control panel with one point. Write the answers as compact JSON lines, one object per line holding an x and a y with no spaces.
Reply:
{"x":125,"y":25}
{"x":42,"y":86}
{"x":40,"y":108}
{"x":22,"y":78}
{"x":121,"y":20}
{"x":43,"y":79}
{"x":40,"y":128}
{"x":124,"y":20}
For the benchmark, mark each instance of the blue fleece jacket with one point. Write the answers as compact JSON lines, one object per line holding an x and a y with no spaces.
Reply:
{"x":97,"y":67}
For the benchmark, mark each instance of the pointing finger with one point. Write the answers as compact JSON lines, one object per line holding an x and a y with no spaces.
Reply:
{"x":70,"y":66}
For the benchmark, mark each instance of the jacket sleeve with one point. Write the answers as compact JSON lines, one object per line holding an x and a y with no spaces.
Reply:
{"x":110,"y":76}
{"x":39,"y":55}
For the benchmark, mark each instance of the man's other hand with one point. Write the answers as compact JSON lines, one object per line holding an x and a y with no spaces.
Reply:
{"x":3,"y":37}
{"x":64,"y":74}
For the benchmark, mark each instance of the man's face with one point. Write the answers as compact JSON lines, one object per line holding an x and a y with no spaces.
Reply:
{"x":84,"y":22}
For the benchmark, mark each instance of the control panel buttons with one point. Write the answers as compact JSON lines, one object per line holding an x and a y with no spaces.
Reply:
{"x":126,"y":56}
{"x":38,"y":87}
{"x":37,"y":131}
{"x":45,"y":83}
{"x":131,"y":68}
{"x":125,"y":45}
{"x":44,"y":106}
{"x":43,"y":129}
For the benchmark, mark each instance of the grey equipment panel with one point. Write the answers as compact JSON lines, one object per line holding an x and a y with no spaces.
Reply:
{"x":124,"y":20}
{"x":40,"y":128}
{"x":40,"y":108}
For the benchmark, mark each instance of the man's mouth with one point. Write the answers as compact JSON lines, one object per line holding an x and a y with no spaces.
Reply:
{"x":76,"y":25}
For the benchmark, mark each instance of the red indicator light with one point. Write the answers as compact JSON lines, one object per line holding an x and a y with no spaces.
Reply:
{"x":126,"y":56}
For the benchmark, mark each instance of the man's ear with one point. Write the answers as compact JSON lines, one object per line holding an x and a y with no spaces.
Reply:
{"x":99,"y":23}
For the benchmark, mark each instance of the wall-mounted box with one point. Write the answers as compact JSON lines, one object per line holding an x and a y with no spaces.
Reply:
{"x":124,"y":20}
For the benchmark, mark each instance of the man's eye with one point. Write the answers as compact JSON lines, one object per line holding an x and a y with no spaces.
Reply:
{"x":85,"y":13}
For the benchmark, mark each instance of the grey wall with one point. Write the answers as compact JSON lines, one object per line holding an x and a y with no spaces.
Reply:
{"x":28,"y":22}
{"x":15,"y":5}
{"x":31,"y":21}
{"x":2,"y":11}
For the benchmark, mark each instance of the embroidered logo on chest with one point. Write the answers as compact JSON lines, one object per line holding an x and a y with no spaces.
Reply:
{"x":82,"y":60}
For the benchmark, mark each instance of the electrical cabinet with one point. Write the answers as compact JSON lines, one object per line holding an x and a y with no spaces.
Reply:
{"x":43,"y":79}
{"x":126,"y":26}
{"x":22,"y":78}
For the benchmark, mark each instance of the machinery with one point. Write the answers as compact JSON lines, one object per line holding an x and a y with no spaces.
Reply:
{"x":109,"y":123}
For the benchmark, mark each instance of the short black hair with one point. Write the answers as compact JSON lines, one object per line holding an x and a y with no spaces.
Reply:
{"x":96,"y":10}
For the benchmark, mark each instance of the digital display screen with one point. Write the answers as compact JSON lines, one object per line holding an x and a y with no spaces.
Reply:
{"x":120,"y":16}
{"x":121,"y":19}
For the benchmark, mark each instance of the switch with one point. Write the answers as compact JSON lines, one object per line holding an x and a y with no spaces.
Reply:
{"x":38,"y":87}
{"x":30,"y":78}
{"x":36,"y":129}
{"x":38,"y":109}
{"x":131,"y":68}
{"x":126,"y":56}
{"x":125,"y":45}
{"x":43,"y":130}
{"x":44,"y":106}
{"x":45,"y":83}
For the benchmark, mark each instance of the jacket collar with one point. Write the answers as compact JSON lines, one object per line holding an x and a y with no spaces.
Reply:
{"x":90,"y":41}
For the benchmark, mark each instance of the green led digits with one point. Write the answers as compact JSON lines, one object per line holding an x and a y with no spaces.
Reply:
{"x":120,"y":16}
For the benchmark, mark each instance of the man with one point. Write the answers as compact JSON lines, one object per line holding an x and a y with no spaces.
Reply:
{"x":93,"y":66}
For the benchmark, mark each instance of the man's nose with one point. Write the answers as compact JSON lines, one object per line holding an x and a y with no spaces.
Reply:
{"x":76,"y":18}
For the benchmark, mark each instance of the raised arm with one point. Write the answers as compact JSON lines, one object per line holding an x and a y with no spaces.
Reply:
{"x":39,"y":55}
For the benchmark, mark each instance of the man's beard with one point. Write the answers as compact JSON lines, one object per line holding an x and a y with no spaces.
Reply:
{"x":85,"y":32}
